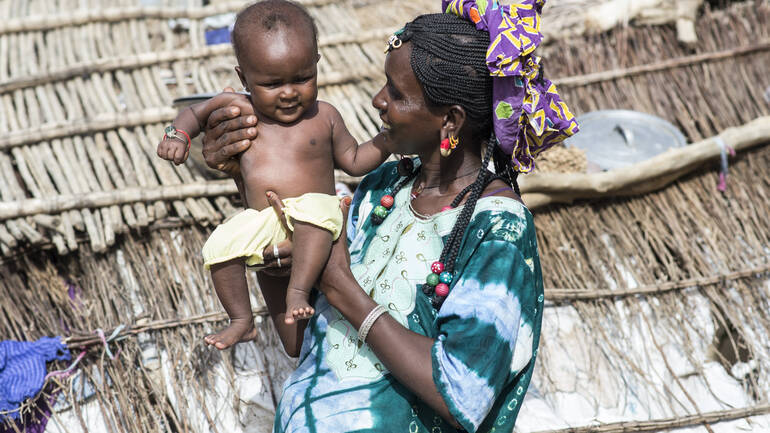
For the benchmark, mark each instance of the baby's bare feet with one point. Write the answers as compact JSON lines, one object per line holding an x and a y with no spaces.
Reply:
{"x":239,"y":331}
{"x":297,"y":307}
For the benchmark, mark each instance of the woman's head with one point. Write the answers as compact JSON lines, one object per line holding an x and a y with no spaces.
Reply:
{"x":449,"y":60}
{"x":437,"y":82}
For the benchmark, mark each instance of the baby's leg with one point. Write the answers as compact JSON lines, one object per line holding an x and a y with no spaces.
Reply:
{"x":311,"y":249}
{"x":233,"y":292}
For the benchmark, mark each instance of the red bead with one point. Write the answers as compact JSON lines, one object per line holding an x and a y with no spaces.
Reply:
{"x":446,"y":208}
{"x":442,"y":289}
{"x":444,"y":143}
{"x":437,"y":267}
{"x":387,"y":201}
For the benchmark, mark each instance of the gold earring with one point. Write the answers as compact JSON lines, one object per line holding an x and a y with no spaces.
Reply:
{"x":394,"y":42}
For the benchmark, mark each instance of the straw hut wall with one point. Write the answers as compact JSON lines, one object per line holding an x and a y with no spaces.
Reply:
{"x":657,"y":301}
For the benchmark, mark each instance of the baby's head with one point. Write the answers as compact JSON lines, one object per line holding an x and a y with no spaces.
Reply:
{"x":276,"y":46}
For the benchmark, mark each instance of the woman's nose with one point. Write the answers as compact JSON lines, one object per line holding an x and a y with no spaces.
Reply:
{"x":379,"y":102}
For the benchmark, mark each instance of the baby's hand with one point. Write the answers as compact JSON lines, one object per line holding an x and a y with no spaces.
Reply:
{"x":174,"y":147}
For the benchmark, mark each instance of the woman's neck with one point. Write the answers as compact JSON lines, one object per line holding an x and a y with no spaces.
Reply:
{"x":442,"y":173}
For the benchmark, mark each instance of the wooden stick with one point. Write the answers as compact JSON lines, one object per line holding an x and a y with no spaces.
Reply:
{"x":79,"y":341}
{"x":566,"y":295}
{"x":61,"y":203}
{"x":540,"y":189}
{"x":598,"y":77}
{"x":110,"y":15}
{"x":141,"y":60}
{"x":98,"y":123}
{"x":668,"y":423}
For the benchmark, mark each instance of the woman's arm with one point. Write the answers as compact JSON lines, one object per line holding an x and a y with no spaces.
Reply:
{"x":406,"y":354}
{"x":230,"y":127}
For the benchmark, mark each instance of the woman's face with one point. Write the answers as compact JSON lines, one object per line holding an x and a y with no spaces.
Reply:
{"x":411,"y":126}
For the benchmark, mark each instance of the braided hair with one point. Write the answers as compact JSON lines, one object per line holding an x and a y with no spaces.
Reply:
{"x":449,"y":60}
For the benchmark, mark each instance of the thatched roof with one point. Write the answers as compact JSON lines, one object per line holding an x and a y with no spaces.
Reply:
{"x":664,"y":293}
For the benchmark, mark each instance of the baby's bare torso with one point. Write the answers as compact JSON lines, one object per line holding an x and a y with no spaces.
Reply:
{"x":289,"y":160}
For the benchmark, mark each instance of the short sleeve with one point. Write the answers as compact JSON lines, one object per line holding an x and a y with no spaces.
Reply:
{"x":485,"y":334}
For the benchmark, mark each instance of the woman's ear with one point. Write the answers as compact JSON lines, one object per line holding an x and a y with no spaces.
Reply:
{"x":454,"y":119}
{"x":240,"y":77}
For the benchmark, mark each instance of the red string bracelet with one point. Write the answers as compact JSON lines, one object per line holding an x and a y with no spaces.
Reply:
{"x":168,"y":129}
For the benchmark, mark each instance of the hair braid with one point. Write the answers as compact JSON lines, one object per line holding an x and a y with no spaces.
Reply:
{"x":449,"y":60}
{"x":452,"y":247}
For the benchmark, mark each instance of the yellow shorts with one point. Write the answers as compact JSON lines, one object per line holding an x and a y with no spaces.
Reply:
{"x":247,"y":233}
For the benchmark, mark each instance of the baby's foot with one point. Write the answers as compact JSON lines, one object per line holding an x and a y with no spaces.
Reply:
{"x":297,"y":307}
{"x":238,"y":332}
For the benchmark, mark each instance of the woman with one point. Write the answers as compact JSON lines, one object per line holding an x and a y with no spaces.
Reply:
{"x":437,"y":361}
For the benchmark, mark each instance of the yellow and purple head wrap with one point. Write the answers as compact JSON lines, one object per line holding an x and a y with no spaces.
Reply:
{"x":529,"y":115}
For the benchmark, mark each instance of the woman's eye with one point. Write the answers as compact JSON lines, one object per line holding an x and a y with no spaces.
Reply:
{"x":394,"y":94}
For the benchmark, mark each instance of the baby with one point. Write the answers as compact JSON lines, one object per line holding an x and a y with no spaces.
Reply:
{"x":300,"y":142}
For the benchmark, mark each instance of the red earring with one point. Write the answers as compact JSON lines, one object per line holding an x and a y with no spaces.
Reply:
{"x":448,"y":145}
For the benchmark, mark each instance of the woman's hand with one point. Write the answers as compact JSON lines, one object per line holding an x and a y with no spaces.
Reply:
{"x":338,"y":265}
{"x":337,"y":268}
{"x":278,"y":257}
{"x":229,"y":131}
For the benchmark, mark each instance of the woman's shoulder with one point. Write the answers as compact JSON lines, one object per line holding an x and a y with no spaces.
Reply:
{"x":381,"y":177}
{"x":501,"y":218}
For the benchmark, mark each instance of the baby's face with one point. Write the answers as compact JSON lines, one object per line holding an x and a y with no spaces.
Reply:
{"x":280,"y":71}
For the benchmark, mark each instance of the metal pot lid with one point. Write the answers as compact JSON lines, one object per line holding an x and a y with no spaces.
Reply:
{"x":184,"y":101}
{"x":618,"y":138}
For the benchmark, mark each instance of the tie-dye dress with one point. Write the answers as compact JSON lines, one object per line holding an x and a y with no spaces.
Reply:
{"x":486,"y":332}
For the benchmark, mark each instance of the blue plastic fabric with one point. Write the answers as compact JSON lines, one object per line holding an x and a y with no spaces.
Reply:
{"x":23,"y":369}
{"x":217,"y":36}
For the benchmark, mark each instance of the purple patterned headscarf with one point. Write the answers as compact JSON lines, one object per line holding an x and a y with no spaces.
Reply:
{"x":529,"y":115}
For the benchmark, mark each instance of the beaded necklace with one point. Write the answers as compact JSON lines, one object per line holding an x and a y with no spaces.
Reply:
{"x":438,"y":281}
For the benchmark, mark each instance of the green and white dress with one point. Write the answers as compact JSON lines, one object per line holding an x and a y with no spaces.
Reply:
{"x":486,"y":332}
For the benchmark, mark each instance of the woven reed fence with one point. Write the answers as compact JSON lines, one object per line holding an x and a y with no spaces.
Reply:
{"x":624,"y":270}
{"x":85,"y":91}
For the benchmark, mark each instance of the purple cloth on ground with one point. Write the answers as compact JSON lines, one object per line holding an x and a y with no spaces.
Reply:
{"x":33,"y":421}
{"x":23,"y":369}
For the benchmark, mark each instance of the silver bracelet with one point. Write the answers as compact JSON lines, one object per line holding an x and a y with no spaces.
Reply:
{"x":366,"y":325}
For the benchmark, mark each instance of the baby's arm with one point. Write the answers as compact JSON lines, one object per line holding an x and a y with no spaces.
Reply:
{"x":352,"y":158}
{"x":191,"y":120}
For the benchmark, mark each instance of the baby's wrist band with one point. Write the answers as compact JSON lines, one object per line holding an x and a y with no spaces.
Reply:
{"x":368,"y":322}
{"x":172,"y":131}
